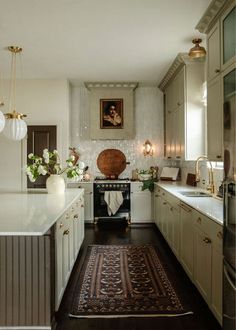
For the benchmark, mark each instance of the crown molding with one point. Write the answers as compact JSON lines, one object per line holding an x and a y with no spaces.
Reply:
{"x":130,"y":85}
{"x":180,"y":60}
{"x":211,"y":14}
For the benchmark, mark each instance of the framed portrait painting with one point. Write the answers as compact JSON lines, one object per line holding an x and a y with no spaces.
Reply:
{"x":111,"y":113}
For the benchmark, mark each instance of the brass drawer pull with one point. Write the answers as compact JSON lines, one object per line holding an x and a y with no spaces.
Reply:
{"x":82,"y":205}
{"x":219,"y":235}
{"x":218,"y":156}
{"x":164,"y":203}
{"x":207,"y":240}
{"x":217,"y":70}
{"x":163,"y":194}
{"x":199,"y":220}
{"x":91,"y":192}
{"x":185,"y":208}
{"x":66,"y":232}
{"x":76,"y":216}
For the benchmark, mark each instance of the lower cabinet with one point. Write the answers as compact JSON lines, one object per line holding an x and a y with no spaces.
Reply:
{"x":88,"y":200}
{"x":196,"y":240}
{"x":186,"y":238}
{"x":69,"y":235}
{"x":141,"y":203}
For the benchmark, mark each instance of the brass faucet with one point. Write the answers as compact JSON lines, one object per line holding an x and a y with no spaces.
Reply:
{"x":210,"y":186}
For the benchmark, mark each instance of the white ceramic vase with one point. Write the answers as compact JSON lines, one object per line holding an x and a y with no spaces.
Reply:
{"x":55,"y":184}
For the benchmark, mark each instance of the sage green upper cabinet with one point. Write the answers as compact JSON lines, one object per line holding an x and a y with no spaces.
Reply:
{"x":184,"y":108}
{"x":213,"y":52}
{"x":228,"y":36}
{"x":219,"y":23}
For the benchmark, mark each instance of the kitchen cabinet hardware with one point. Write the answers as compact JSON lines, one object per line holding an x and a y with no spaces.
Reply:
{"x":76,"y":216}
{"x":67,"y":216}
{"x":199,"y":220}
{"x":220,"y":235}
{"x":171,"y":209}
{"x":61,"y":225}
{"x":82,"y":205}
{"x":169,"y":157}
{"x":185,"y":208}
{"x":163,"y":194}
{"x":72,"y":209}
{"x":178,"y":103}
{"x":218,"y":156}
{"x":164,"y":203}
{"x":79,"y":187}
{"x":66,"y":232}
{"x":217,"y":70}
{"x":156,"y":195}
{"x":91,"y":192}
{"x":207,"y":240}
{"x":178,"y":157}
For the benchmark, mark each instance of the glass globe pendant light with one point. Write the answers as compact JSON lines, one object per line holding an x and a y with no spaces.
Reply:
{"x":15,"y":127}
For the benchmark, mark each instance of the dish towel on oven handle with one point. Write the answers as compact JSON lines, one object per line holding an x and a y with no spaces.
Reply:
{"x":114,"y":199}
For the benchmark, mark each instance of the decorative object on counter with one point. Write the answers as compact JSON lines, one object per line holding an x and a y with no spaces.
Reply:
{"x":111,"y":163}
{"x":55,"y":184}
{"x":135,"y":174}
{"x":15,"y":127}
{"x":197,"y":51}
{"x":169,"y":173}
{"x":147,"y":148}
{"x":144,"y":174}
{"x":50,"y":164}
{"x":148,"y":184}
{"x":132,"y":282}
{"x":191,"y":179}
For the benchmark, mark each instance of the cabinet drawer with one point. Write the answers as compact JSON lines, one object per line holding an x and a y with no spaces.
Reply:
{"x":209,"y":227}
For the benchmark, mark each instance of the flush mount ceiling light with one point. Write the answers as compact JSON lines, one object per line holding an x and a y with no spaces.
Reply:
{"x":147,"y":148}
{"x":15,"y":126}
{"x":197,"y":51}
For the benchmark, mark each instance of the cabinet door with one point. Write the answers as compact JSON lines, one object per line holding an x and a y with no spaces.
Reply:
{"x":215,"y":120}
{"x":186,"y":234}
{"x":228,"y":28}
{"x":213,"y":52}
{"x":175,"y":226}
{"x":217,"y":268}
{"x":202,"y":263}
{"x":180,"y":87}
{"x":141,"y":206}
{"x":168,"y":134}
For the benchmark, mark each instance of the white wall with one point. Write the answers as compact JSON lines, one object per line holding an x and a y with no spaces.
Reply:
{"x":148,"y":125}
{"x":46,"y":102}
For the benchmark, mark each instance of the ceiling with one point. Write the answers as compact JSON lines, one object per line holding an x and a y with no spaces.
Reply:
{"x":98,"y":40}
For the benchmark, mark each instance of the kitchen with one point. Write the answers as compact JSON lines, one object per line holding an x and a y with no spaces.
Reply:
{"x":51,"y":97}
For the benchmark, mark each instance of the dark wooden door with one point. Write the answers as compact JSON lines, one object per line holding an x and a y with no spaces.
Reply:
{"x":39,"y":138}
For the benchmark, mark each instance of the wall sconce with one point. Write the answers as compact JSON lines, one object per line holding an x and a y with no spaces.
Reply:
{"x":197,"y":51}
{"x":147,"y":148}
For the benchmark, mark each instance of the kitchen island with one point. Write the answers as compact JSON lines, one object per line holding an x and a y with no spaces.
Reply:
{"x":40,"y":237}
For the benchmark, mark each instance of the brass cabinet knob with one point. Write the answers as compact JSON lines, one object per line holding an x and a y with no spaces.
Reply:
{"x":66,"y":232}
{"x":199,"y":220}
{"x":91,"y":192}
{"x":61,"y":225}
{"x":164,"y":203}
{"x":219,"y":235}
{"x":217,"y":70}
{"x":218,"y":156}
{"x":76,"y":216}
{"x":207,"y":240}
{"x":82,"y":205}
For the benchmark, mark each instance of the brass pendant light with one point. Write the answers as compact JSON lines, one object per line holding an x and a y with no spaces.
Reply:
{"x":197,"y":51}
{"x":15,"y":126}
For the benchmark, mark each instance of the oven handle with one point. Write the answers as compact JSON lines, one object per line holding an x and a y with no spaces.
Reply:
{"x":228,"y":275}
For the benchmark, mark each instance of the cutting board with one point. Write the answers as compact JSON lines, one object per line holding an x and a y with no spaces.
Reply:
{"x":111,"y":162}
{"x":169,"y":173}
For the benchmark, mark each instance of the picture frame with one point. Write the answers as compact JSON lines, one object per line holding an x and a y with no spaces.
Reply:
{"x":111,"y":113}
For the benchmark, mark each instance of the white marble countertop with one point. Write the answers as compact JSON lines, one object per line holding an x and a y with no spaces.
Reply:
{"x":209,"y":206}
{"x":32,"y":212}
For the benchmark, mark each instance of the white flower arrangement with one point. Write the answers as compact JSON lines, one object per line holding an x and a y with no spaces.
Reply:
{"x":50,"y":164}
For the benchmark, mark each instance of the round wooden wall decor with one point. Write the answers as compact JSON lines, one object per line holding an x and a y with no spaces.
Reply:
{"x":111,"y":162}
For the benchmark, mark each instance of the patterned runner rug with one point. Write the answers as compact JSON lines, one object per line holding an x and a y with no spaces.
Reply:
{"x":125,"y":281}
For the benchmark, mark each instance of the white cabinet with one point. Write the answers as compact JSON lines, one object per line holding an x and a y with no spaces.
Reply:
{"x":88,"y":198}
{"x":208,"y":261}
{"x":185,"y":114}
{"x":215,"y":120}
{"x":69,"y":234}
{"x":213,"y":52}
{"x":141,"y":203}
{"x":186,"y":238}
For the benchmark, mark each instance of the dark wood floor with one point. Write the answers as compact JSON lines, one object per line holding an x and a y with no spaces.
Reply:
{"x":202,"y":319}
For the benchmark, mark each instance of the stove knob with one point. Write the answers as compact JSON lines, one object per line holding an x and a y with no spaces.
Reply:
{"x":110,"y":185}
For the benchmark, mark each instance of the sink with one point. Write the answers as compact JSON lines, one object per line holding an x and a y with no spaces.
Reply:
{"x":194,"y":193}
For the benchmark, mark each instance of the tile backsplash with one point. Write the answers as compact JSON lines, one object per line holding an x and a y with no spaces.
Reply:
{"x":148,"y":125}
